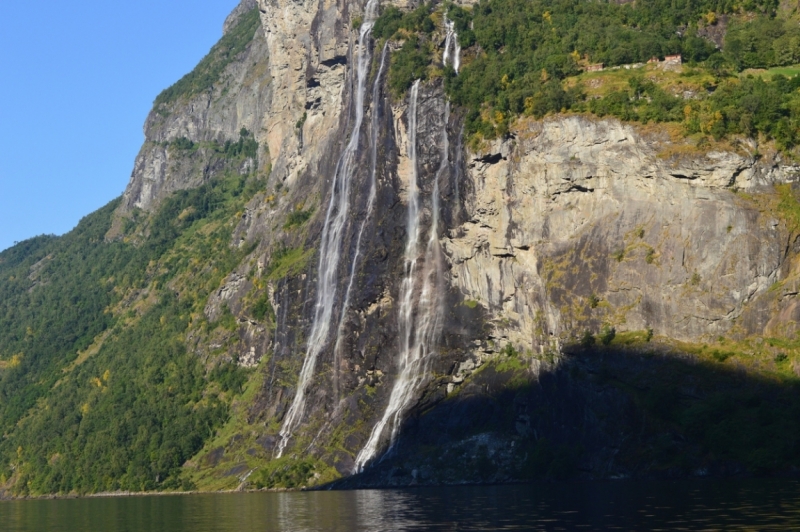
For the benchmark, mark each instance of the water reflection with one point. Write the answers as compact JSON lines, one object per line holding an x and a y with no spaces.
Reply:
{"x":685,"y":505}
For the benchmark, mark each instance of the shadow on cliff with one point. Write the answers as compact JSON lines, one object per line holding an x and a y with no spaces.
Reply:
{"x":602,"y":412}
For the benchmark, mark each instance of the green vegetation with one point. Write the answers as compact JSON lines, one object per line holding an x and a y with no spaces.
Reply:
{"x":762,"y":42}
{"x":587,"y":339}
{"x":751,"y":421}
{"x":393,"y":20}
{"x":230,"y":377}
{"x":262,"y":309}
{"x":245,"y":148}
{"x":97,"y":388}
{"x":211,"y":67}
{"x":509,"y":350}
{"x":528,"y":47}
{"x":284,"y":473}
{"x":470,"y":303}
{"x":524,"y":57}
{"x":607,"y":334}
{"x":411,"y":61}
{"x":288,"y":261}
{"x":547,"y":460}
{"x":789,"y":207}
{"x":298,"y":217}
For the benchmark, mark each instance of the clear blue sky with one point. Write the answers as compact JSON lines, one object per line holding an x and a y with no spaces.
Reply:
{"x":77,"y":80}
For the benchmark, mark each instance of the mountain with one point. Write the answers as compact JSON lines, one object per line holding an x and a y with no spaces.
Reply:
{"x":399,"y":244}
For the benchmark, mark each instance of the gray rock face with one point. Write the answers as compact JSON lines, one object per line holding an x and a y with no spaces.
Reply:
{"x":243,"y":7}
{"x":579,"y":222}
{"x":241,"y":99}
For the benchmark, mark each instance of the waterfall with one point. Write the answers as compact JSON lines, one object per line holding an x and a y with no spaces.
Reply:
{"x":418,"y":331}
{"x":331,"y":239}
{"x":451,"y":41}
{"x":373,"y":190}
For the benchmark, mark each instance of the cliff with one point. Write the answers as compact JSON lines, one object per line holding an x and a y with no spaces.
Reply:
{"x":364,"y":295}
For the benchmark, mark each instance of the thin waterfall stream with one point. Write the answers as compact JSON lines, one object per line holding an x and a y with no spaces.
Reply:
{"x":331,"y":238}
{"x":373,"y":192}
{"x":451,"y":41}
{"x":418,"y":331}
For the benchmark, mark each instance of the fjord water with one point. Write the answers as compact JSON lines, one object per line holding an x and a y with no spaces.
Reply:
{"x":621,"y":505}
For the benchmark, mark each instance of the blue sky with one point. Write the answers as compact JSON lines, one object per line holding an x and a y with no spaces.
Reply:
{"x":78,"y":79}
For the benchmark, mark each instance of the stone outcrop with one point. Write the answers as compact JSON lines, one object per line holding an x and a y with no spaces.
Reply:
{"x":242,"y":9}
{"x":240,"y":99}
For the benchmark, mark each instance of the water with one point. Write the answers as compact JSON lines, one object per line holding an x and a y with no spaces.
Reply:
{"x":373,"y":191}
{"x":402,"y":384}
{"x":451,"y":41}
{"x":622,"y":505}
{"x":331,"y":239}
{"x":418,"y":321}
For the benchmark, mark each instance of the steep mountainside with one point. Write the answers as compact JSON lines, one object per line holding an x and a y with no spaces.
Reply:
{"x":324,"y":270}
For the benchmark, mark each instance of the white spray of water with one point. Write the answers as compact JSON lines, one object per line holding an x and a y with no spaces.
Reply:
{"x":373,"y":190}
{"x":331,"y":240}
{"x":417,"y":336}
{"x":451,"y":41}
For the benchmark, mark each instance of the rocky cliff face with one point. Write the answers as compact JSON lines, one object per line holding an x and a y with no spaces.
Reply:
{"x":568,"y":225}
{"x":578,"y":222}
{"x":204,"y":112}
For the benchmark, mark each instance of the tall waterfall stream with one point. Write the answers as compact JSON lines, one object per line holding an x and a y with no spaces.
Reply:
{"x":418,"y":321}
{"x":373,"y":191}
{"x":331,"y":239}
{"x":418,"y":317}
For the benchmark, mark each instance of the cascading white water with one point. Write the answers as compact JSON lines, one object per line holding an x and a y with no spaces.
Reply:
{"x":331,"y":239}
{"x":417,"y":336}
{"x":451,"y":41}
{"x":373,"y":191}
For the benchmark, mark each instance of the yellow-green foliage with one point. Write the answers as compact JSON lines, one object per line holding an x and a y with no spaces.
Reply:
{"x":286,"y":262}
{"x":470,"y":303}
{"x":768,"y":356}
{"x":631,"y":338}
{"x":789,"y":207}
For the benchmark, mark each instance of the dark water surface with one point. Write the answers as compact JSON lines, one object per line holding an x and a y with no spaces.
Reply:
{"x":623,"y":505}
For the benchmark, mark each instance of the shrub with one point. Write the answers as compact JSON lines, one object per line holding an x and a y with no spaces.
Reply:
{"x":509,"y":350}
{"x":587,"y":340}
{"x":263,"y":308}
{"x":607,"y":335}
{"x":410,"y":63}
{"x":720,"y":356}
{"x":298,"y":217}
